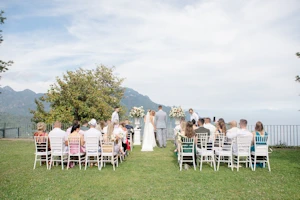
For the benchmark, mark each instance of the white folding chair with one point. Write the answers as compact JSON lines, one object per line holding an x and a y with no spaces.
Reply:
{"x":243,"y":145}
{"x":41,"y":150}
{"x":130,"y":141}
{"x":74,"y":151}
{"x":261,"y":153}
{"x":206,"y":153}
{"x":58,"y":152}
{"x":92,"y":150}
{"x":187,"y":150}
{"x":225,"y":154}
{"x":108,"y":155}
{"x":219,"y":141}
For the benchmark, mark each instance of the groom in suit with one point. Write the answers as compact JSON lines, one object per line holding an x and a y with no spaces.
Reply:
{"x":161,"y":127}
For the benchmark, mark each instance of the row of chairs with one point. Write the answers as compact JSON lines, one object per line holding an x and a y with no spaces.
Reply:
{"x":92,"y":154}
{"x":221,"y":148}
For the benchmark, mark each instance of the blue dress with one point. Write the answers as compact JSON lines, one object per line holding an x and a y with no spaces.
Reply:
{"x":257,"y":134}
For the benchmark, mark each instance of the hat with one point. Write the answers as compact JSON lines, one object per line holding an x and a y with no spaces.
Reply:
{"x":93,"y":122}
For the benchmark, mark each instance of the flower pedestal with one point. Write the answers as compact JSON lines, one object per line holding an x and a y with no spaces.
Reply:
{"x":137,"y":132}
{"x":177,"y":121}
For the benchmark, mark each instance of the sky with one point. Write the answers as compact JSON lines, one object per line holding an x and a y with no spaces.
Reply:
{"x":227,"y":58}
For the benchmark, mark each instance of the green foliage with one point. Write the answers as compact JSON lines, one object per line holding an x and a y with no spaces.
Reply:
{"x":82,"y":95}
{"x":3,"y":65}
{"x":145,"y":175}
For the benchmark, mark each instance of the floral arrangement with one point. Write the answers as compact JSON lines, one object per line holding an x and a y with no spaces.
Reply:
{"x":177,"y":112}
{"x":137,"y":112}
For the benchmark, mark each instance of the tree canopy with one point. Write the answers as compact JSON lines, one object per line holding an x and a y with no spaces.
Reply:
{"x":3,"y":65}
{"x":82,"y":94}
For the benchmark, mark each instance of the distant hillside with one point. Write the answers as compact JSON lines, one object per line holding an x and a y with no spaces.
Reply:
{"x":13,"y":103}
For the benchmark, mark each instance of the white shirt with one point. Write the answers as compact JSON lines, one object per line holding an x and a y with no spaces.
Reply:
{"x":232,"y":133}
{"x":212,"y":128}
{"x":105,"y":129}
{"x":195,"y":117}
{"x":177,"y":129}
{"x":118,"y":130}
{"x":57,"y":132}
{"x":92,"y":132}
{"x":115,"y":117}
{"x":244,"y":133}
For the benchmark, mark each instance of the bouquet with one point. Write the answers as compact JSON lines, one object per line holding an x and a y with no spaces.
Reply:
{"x":177,"y":112}
{"x":137,"y":112}
{"x":112,"y":138}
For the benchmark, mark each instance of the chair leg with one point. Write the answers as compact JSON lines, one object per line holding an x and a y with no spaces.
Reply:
{"x":47,"y":162}
{"x":218,"y":159}
{"x":238,"y":163}
{"x":86,"y":158}
{"x":34,"y":164}
{"x":68,"y":163}
{"x":231,"y":162}
{"x":113,"y":163}
{"x":79,"y":161}
{"x":62,"y":161}
{"x":201,"y":163}
{"x":268,"y":161}
{"x":214,"y":162}
{"x":250,"y":162}
{"x":51,"y":160}
{"x":194,"y":163}
{"x":254,"y":167}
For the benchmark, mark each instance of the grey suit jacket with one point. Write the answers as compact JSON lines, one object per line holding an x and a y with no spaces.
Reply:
{"x":202,"y":130}
{"x":161,"y":119}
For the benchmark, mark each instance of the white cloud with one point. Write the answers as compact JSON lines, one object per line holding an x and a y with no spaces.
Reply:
{"x":205,"y":54}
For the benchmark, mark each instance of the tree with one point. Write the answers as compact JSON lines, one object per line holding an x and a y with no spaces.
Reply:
{"x":298,"y":77}
{"x":3,"y":65}
{"x":81,"y":95}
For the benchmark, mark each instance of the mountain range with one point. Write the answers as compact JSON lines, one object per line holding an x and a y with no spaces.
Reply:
{"x":16,"y":104}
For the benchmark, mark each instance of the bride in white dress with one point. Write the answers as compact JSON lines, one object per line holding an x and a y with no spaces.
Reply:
{"x":148,"y":137}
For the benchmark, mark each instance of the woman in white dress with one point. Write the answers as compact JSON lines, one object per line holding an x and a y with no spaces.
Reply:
{"x":148,"y":137}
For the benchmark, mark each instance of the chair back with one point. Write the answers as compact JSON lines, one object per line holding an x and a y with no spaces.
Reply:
{"x":107,"y":147}
{"x":74,"y":145}
{"x":227,"y":144}
{"x":202,"y":140}
{"x":57,"y":145}
{"x":243,"y":144}
{"x":91,"y":144}
{"x":261,"y":144}
{"x":41,"y":143}
{"x":219,"y":140}
{"x":187,"y":145}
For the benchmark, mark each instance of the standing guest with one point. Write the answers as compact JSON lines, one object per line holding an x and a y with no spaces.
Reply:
{"x":93,"y":132}
{"x":161,"y":127}
{"x":84,"y":126}
{"x":208,"y":125}
{"x":232,"y":132}
{"x":115,"y":115}
{"x":201,"y":128}
{"x":194,"y":115}
{"x":259,"y":132}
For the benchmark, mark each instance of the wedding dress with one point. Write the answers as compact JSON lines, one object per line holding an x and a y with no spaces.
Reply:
{"x":148,"y":136}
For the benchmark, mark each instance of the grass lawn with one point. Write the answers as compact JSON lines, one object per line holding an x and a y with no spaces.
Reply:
{"x":145,"y":175}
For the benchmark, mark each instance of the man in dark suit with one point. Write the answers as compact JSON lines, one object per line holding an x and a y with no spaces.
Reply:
{"x":201,"y":129}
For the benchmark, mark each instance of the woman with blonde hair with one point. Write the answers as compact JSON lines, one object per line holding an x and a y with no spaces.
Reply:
{"x":41,"y":129}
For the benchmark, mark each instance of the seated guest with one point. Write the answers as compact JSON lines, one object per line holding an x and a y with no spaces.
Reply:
{"x":93,"y":132}
{"x":194,"y":124}
{"x":100,"y":126}
{"x":130,"y":128}
{"x":125,"y":143}
{"x":227,"y":125}
{"x":41,"y":129}
{"x":259,"y":132}
{"x":75,"y":133}
{"x":84,"y":126}
{"x":110,"y":137}
{"x":180,"y":134}
{"x":177,"y":129}
{"x":201,"y":128}
{"x":243,"y":132}
{"x":57,"y":132}
{"x":208,"y":125}
{"x":119,"y":135}
{"x":232,"y":132}
{"x":75,"y":122}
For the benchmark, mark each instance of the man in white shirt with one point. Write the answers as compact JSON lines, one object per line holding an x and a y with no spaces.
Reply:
{"x":243,"y":132}
{"x":194,"y":115}
{"x":57,"y":132}
{"x":92,"y":132}
{"x":115,"y":115}
{"x":232,"y":132}
{"x":209,"y":126}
